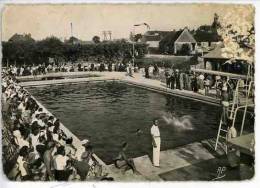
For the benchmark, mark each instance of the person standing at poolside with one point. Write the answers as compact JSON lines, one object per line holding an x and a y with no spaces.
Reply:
{"x":172,"y":80}
{"x":156,"y":142}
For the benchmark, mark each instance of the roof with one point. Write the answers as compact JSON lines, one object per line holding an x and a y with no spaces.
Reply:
{"x":185,"y":36}
{"x":155,"y":32}
{"x":155,"y":35}
{"x":20,"y":37}
{"x":205,"y":36}
{"x":171,"y":36}
{"x":216,"y":53}
{"x":152,"y":37}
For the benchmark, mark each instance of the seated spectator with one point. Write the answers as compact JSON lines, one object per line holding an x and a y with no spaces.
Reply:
{"x":21,"y":107}
{"x":38,"y":170}
{"x":122,"y":161}
{"x":47,"y":159}
{"x":51,"y":119}
{"x":37,"y":131}
{"x":50,"y":126}
{"x":56,"y":125}
{"x":82,"y":168}
{"x":87,"y":154}
{"x":41,"y":146}
{"x":20,"y":140}
{"x":70,"y":149}
{"x":22,"y":162}
{"x":26,"y":115}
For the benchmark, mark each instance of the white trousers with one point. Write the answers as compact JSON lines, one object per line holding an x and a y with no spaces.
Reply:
{"x":156,"y":152}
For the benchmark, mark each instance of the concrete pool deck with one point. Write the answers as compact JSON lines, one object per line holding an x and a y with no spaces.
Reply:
{"x":192,"y":162}
{"x":172,"y":159}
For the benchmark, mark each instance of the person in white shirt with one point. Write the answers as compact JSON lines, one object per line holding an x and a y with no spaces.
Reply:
{"x":41,"y":123}
{"x":156,"y":142}
{"x":35,"y":118}
{"x":34,"y":137}
{"x":21,"y":71}
{"x":21,"y":107}
{"x":150,"y":69}
{"x":70,"y":149}
{"x":19,"y":140}
{"x":38,"y":111}
{"x":23,"y":164}
{"x":81,"y":149}
{"x":60,"y":165}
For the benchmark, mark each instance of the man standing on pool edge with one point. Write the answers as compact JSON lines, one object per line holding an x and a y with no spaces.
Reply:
{"x":156,"y":141}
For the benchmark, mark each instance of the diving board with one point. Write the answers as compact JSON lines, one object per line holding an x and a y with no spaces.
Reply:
{"x":219,"y":73}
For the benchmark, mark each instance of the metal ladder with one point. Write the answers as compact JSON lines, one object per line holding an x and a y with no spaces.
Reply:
{"x":231,"y":110}
{"x":235,"y":106}
{"x":220,"y":134}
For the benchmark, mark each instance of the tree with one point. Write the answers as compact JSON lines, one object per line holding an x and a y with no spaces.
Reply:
{"x":237,"y":31}
{"x":22,"y":50}
{"x":166,"y":45}
{"x":19,"y":49}
{"x":138,"y":37}
{"x":72,"y":52}
{"x":50,"y":47}
{"x":96,"y":39}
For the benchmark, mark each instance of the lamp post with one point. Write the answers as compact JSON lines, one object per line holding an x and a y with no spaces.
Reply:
{"x":133,"y":55}
{"x":137,"y":25}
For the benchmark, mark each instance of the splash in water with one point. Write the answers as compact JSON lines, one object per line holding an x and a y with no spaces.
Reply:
{"x":183,"y":122}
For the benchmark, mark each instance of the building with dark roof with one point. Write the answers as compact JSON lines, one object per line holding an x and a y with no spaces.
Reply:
{"x":170,"y":42}
{"x":153,"y":38}
{"x":215,"y":60}
{"x":182,"y":42}
{"x":185,"y":43}
{"x":207,"y":38}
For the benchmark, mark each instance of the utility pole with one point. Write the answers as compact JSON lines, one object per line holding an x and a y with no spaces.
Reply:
{"x":71,"y":30}
{"x":134,"y":47}
{"x":137,"y":25}
{"x":110,"y":35}
{"x":105,"y":35}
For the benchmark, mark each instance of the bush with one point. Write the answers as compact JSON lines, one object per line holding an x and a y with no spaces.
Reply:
{"x":38,"y":52}
{"x":182,"y":63}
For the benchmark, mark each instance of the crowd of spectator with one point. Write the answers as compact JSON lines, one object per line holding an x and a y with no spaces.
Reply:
{"x":45,"y":152}
{"x":175,"y":78}
{"x":202,"y":83}
{"x":41,"y":69}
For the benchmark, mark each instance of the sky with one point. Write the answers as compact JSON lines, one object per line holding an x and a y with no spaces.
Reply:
{"x":91,"y":19}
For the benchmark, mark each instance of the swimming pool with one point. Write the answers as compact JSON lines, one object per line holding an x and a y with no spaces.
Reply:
{"x":110,"y":113}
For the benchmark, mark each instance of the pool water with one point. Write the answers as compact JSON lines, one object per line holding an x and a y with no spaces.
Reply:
{"x":110,"y":113}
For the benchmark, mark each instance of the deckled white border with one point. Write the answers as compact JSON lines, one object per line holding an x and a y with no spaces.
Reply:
{"x":255,"y":182}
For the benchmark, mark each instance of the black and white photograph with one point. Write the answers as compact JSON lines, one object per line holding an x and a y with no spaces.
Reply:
{"x":117,"y":92}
